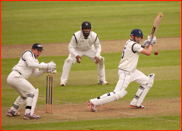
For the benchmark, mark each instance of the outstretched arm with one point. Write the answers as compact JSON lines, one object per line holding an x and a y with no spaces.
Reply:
{"x":147,"y":51}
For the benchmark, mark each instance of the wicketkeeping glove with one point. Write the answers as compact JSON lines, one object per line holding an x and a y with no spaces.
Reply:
{"x":44,"y":66}
{"x":52,"y":71}
{"x":47,"y":67}
{"x":51,"y":66}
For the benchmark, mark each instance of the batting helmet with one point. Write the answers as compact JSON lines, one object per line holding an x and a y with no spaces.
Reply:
{"x":136,"y":32}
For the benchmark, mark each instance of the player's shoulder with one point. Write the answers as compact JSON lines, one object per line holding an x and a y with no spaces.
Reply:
{"x":93,"y":34}
{"x":26,"y":54}
{"x":132,"y":42}
{"x":29,"y":52}
{"x":77,"y":32}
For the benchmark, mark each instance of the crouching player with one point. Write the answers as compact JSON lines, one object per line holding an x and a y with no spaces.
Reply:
{"x":17,"y":79}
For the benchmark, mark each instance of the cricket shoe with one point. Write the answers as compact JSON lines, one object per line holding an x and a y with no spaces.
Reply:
{"x":103,"y":82}
{"x":62,"y":84}
{"x":28,"y":116}
{"x":92,"y":106}
{"x":135,"y":106}
{"x":12,"y":113}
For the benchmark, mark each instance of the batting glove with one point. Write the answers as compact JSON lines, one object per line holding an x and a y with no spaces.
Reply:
{"x":152,"y":41}
{"x":146,"y":44}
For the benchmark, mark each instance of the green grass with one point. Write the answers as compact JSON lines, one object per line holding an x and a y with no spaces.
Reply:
{"x":151,"y":123}
{"x":165,"y":58}
{"x":26,"y":22}
{"x":167,"y":69}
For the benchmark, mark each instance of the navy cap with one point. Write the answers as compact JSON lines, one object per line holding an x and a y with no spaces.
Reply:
{"x":37,"y":46}
{"x":86,"y":24}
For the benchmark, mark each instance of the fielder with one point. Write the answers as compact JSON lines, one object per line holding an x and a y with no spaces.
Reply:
{"x":127,"y":73}
{"x":17,"y":79}
{"x":84,"y":43}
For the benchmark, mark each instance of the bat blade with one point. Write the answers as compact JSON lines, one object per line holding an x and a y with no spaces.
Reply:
{"x":156,"y":24}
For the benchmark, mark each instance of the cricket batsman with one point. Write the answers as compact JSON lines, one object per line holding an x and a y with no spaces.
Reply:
{"x":127,"y":73}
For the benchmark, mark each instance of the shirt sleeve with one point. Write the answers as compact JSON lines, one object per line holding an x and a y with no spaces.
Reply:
{"x":30,"y":60}
{"x":97,"y":46}
{"x":137,"y":48}
{"x":37,"y":73}
{"x":72,"y":46}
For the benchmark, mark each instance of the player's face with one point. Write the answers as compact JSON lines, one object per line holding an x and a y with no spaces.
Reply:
{"x":86,"y":31}
{"x":36,"y":52}
{"x":138,"y":39}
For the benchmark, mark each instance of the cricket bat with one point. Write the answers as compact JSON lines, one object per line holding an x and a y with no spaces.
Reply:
{"x":156,"y":25}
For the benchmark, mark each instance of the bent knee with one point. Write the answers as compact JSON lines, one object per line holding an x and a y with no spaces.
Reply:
{"x":144,"y":81}
{"x":70,"y":61}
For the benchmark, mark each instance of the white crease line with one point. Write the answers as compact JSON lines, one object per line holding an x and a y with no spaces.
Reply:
{"x":67,"y":102}
{"x":65,"y":116}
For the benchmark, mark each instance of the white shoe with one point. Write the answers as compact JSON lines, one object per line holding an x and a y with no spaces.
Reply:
{"x":62,"y":84}
{"x":103,"y":82}
{"x":92,"y":106}
{"x":135,"y":106}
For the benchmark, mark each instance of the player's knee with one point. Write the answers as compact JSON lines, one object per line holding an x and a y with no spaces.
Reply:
{"x":101,"y":59}
{"x":144,"y":82}
{"x":23,"y":97}
{"x":120,"y":94}
{"x":70,"y":61}
{"x":149,"y":81}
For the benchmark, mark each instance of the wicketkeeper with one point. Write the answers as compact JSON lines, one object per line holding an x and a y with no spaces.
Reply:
{"x":84,"y":43}
{"x":17,"y":79}
{"x":127,"y":73}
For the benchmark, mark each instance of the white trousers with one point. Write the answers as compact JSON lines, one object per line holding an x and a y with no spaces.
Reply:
{"x":71,"y":60}
{"x":126,"y":77}
{"x":23,"y":87}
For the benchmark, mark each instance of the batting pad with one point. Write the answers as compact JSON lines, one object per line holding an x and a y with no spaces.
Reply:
{"x":21,"y":102}
{"x":34,"y":102}
{"x":146,"y":90}
{"x":113,"y":97}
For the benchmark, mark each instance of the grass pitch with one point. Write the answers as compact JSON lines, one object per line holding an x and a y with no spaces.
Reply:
{"x":25,"y":22}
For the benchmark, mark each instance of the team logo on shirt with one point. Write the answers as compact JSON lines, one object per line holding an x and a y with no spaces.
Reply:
{"x":89,"y":41}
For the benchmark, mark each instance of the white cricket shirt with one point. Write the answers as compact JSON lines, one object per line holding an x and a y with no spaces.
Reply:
{"x":78,"y":42}
{"x":130,"y":56}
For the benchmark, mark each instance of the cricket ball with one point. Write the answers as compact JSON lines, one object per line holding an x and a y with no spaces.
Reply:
{"x":156,"y":53}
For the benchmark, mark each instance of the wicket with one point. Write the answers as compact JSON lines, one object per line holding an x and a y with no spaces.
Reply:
{"x":49,"y":93}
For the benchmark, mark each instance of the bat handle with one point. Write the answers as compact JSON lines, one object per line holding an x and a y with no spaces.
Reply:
{"x":151,"y":38}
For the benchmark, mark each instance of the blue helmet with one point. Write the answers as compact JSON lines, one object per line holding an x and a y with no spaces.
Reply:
{"x":136,"y":32}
